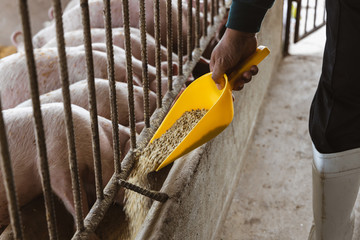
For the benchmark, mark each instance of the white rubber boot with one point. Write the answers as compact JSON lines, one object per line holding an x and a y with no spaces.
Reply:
{"x":336,"y":181}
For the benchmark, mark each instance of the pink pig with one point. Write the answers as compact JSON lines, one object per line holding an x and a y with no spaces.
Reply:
{"x":14,"y":77}
{"x":79,"y":97}
{"x":72,"y":20}
{"x":26,"y":166}
{"x":76,"y":38}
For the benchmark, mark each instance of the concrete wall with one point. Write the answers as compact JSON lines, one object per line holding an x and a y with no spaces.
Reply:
{"x":200,"y":185}
{"x":10,"y":17}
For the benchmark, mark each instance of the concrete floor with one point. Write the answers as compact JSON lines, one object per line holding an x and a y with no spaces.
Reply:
{"x":273,"y":197}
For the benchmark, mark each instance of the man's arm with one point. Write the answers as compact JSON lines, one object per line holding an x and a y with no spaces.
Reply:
{"x":239,"y":40}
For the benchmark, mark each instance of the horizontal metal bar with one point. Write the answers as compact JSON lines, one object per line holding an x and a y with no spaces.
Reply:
{"x":155,"y":195}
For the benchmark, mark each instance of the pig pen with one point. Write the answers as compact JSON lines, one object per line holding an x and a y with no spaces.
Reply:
{"x":192,"y":196}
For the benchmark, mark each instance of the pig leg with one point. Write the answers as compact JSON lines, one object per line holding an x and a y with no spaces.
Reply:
{"x":61,"y":185}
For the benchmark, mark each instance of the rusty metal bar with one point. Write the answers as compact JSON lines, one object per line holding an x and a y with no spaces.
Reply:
{"x":197,"y":24}
{"x":169,"y":41}
{"x":212,"y":12}
{"x":190,"y":31}
{"x":206,"y":17}
{"x":9,"y":182}
{"x":180,"y":39}
{"x":158,"y":196}
{"x":129,"y":71}
{"x":144,"y":58}
{"x":85,"y":17}
{"x":64,"y":77}
{"x":157,"y":52}
{"x":39,"y":128}
{"x":217,"y":7}
{"x":113,"y":102}
{"x":99,"y":209}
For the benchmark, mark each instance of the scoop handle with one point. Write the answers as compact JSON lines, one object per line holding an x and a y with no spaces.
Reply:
{"x":259,"y":55}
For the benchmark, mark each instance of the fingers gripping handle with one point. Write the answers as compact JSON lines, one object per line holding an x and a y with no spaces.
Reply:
{"x":259,"y":55}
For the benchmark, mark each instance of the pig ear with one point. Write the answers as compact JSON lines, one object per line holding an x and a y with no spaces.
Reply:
{"x":175,"y":68}
{"x":51,"y":13}
{"x":14,"y":38}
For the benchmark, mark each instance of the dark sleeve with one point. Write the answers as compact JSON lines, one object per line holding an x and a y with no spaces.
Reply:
{"x":247,"y":15}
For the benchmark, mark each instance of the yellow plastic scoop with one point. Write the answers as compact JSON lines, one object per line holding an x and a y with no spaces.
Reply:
{"x":204,"y":94}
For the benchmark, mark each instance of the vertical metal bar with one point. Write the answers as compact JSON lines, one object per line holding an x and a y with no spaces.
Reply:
{"x":144,"y":57}
{"x":169,"y":43}
{"x":39,"y":133}
{"x":297,"y":23}
{"x":217,"y":7}
{"x":190,"y":31}
{"x":287,"y":28}
{"x":64,"y":77}
{"x":223,"y":3}
{"x":324,"y":15}
{"x":315,"y":12}
{"x":157,"y":52}
{"x":197,"y":25}
{"x":9,"y":182}
{"x":113,"y":102}
{"x":306,"y":16}
{"x":180,"y":38}
{"x":92,"y":101}
{"x":126,"y":20}
{"x":205,"y":17}
{"x":212,"y":11}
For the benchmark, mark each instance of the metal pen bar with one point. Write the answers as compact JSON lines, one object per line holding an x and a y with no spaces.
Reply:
{"x":205,"y":18}
{"x":217,"y":7}
{"x":129,"y":71}
{"x":64,"y":77}
{"x":315,"y":12}
{"x":158,"y":196}
{"x":306,"y":16}
{"x":190,"y":31}
{"x":169,"y":41}
{"x":144,"y":58}
{"x":212,"y":11}
{"x":157,"y":52}
{"x":39,"y":128}
{"x":85,"y":17}
{"x":197,"y":24}
{"x":324,"y":15}
{"x":180,"y":38}
{"x":113,"y":99}
{"x":297,"y":23}
{"x":9,"y":182}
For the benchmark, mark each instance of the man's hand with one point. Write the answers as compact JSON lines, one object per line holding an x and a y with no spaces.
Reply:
{"x":233,"y":48}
